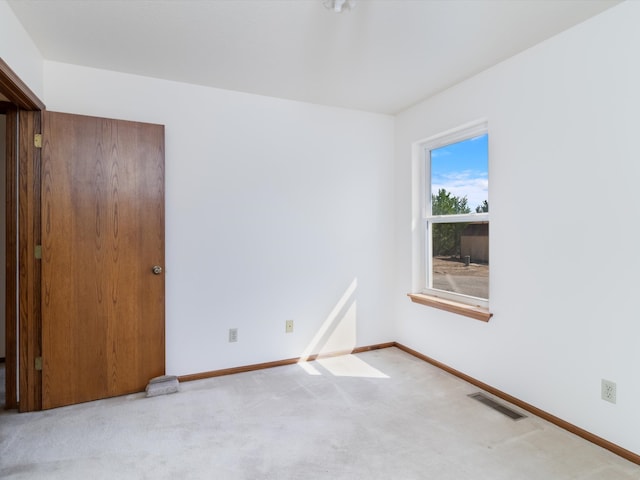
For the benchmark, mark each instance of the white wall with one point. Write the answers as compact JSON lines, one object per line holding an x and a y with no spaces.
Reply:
{"x":565,"y":268}
{"x":274,"y":210}
{"x":18,"y":50}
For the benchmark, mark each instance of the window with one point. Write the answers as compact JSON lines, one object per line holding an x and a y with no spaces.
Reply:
{"x":455,"y":216}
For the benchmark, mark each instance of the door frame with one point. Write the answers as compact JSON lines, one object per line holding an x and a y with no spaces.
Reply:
{"x":23,"y":181}
{"x":11,"y":221}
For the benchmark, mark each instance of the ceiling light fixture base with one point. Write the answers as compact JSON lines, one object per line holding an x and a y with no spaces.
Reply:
{"x":339,"y":6}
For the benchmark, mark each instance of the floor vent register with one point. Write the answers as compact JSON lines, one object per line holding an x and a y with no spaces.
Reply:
{"x":489,"y":402}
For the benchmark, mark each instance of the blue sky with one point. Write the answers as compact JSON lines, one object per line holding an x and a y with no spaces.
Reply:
{"x":462,"y":169}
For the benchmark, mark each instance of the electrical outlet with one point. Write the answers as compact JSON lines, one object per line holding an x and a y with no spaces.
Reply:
{"x":233,"y":335}
{"x":288,"y":326}
{"x":609,"y":391}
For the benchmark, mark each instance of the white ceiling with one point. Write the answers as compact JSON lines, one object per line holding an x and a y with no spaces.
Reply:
{"x":382,"y":56}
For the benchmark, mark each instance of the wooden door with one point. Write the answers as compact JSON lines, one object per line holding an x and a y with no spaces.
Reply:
{"x":102,"y":234}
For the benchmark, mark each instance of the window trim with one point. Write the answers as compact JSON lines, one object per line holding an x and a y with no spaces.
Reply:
{"x":467,"y":305}
{"x":479,"y":313}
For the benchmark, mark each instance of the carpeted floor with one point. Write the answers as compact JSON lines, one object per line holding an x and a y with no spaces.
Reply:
{"x":377,"y":415}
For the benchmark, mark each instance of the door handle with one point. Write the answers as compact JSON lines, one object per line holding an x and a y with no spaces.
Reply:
{"x":156,"y":269}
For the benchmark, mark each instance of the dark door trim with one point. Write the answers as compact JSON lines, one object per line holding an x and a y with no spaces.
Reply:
{"x":29,"y":267}
{"x":24,"y":183}
{"x":11,"y":264}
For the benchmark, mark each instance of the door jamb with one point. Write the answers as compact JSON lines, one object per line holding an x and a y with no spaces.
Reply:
{"x":26,"y":160}
{"x":11,"y":221}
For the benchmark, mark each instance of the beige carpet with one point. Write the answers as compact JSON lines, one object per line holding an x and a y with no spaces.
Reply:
{"x":377,"y":415}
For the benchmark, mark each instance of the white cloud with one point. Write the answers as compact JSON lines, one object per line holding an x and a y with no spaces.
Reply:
{"x":473,"y":185}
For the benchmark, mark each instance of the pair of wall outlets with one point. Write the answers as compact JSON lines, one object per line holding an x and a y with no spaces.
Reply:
{"x":233,"y":332}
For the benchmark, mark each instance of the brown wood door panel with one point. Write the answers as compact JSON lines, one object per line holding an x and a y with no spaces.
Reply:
{"x":102,"y":232}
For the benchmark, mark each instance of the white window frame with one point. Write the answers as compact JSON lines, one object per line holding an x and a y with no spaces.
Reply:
{"x":424,"y":147}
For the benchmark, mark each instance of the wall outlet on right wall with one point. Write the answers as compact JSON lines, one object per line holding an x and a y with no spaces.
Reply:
{"x":233,"y":335}
{"x":608,"y":391}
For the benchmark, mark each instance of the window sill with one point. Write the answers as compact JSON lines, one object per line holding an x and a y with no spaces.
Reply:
{"x":471,"y":311}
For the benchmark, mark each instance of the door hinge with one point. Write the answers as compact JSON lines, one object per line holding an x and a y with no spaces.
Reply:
{"x":38,"y":252}
{"x":37,"y":140}
{"x":38,"y":363}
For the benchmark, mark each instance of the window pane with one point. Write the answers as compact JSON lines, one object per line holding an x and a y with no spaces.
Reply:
{"x":460,"y":262}
{"x":459,"y":177}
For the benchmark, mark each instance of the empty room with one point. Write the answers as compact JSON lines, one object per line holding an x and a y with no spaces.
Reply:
{"x":319,"y":239}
